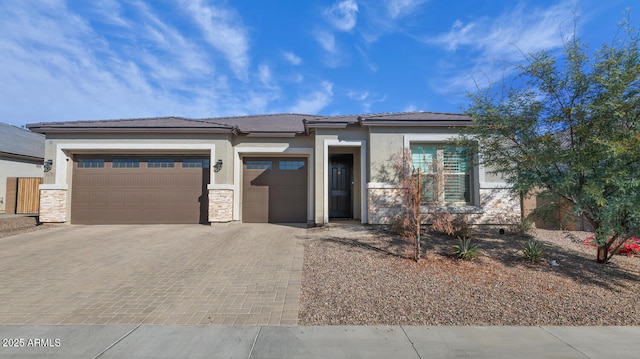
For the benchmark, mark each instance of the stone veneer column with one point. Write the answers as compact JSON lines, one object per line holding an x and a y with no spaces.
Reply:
{"x":53,"y":204}
{"x":499,"y":206}
{"x":383,"y":202}
{"x":220,"y":204}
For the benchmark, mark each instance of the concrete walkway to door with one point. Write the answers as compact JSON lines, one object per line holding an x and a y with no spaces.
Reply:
{"x":231,"y":274}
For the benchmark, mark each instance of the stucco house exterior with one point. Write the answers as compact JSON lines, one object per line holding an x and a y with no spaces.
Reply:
{"x":21,"y":154}
{"x":282,"y":168}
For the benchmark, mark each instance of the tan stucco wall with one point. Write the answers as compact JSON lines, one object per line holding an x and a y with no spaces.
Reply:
{"x":52,"y":140}
{"x":220,"y":141}
{"x":386,"y":142}
{"x":345,"y":135}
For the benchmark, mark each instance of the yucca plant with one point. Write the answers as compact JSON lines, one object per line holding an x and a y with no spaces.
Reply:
{"x":533,"y":251}
{"x":465,"y":250}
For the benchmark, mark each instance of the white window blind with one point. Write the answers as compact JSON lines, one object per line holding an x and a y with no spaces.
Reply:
{"x":445,"y":172}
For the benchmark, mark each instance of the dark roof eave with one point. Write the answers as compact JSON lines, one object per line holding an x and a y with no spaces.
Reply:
{"x":308,"y":125}
{"x":414,"y":123}
{"x":45,"y":130}
{"x":20,"y":156}
{"x":270,"y":134}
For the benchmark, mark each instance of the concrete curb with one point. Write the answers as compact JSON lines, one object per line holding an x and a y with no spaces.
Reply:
{"x":156,"y":341}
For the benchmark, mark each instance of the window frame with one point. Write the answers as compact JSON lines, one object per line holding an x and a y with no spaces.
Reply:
{"x":291,"y":165}
{"x":257,"y":165}
{"x":99,"y":163}
{"x":134,"y":161}
{"x":439,"y":158}
{"x":195,"y":163}
{"x":160,"y":163}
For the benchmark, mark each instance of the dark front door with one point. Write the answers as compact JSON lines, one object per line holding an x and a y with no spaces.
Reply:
{"x":340,"y":183}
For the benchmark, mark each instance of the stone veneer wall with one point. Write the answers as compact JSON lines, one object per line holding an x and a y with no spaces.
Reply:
{"x":497,"y":206}
{"x":384,"y":204}
{"x":220,"y":205}
{"x":53,"y":205}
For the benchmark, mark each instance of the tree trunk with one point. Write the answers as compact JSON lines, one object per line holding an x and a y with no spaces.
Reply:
{"x":418,"y":219}
{"x":603,"y":253}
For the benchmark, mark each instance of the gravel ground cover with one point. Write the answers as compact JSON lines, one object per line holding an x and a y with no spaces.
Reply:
{"x":361,"y":275}
{"x":13,"y":225}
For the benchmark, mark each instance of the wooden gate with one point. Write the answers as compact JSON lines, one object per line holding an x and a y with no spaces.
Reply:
{"x":23,"y":195}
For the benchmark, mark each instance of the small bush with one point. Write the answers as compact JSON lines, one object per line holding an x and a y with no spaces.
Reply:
{"x":533,"y":251}
{"x":521,"y":227}
{"x":454,"y":226}
{"x":465,"y":250}
{"x":630,"y":247}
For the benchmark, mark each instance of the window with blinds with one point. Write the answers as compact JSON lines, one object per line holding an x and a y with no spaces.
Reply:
{"x":445,"y":173}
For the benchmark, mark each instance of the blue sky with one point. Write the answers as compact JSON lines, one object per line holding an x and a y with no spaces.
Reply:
{"x":106,"y":59}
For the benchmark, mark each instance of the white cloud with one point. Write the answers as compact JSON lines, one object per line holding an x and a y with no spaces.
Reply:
{"x":520,"y":29}
{"x":327,"y":40}
{"x":54,"y":66}
{"x":292,"y":58}
{"x":224,"y":31}
{"x":315,"y":101}
{"x":266,"y":77}
{"x":400,"y":8}
{"x":110,"y":12}
{"x":333,"y":57}
{"x":342,"y":15}
{"x":410,"y":108}
{"x":365,"y":99}
{"x":496,"y":43}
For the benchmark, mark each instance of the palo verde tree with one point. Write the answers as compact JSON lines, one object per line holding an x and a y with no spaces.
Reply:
{"x":569,"y":125}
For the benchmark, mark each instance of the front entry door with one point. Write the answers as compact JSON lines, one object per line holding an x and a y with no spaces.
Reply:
{"x":340,"y":184}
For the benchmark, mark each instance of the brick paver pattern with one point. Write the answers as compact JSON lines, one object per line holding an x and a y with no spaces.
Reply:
{"x":232,"y":274}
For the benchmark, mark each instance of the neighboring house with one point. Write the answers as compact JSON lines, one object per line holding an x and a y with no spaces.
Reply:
{"x":21,"y":155}
{"x":286,"y":168}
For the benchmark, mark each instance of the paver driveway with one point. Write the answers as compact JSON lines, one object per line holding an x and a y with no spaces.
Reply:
{"x":161,"y":274}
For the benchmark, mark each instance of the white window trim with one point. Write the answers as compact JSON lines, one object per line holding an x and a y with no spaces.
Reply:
{"x":240,"y":152}
{"x":440,"y":157}
{"x":364,"y":211}
{"x":438,"y":139}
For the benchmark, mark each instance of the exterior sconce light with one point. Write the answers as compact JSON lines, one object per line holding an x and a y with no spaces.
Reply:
{"x":218,"y":166}
{"x":47,"y":165}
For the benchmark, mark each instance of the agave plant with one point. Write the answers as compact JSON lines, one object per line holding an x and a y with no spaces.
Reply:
{"x":533,"y":251}
{"x":465,"y":250}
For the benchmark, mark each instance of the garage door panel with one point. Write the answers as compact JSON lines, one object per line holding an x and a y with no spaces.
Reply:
{"x":139,"y":195}
{"x":275,"y":194}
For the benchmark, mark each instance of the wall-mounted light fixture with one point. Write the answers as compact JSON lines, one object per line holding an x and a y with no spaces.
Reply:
{"x":47,"y":165}
{"x":218,"y":166}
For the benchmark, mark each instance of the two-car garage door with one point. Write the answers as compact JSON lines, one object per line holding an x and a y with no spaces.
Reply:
{"x":139,"y":189}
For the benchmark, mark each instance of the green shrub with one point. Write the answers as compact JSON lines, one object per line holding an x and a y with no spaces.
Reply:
{"x":533,"y":251}
{"x":521,"y":227}
{"x":453,"y":225}
{"x":465,"y":250}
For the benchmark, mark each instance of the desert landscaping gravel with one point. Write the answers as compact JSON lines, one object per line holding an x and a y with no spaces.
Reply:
{"x":13,"y":225}
{"x":361,"y":275}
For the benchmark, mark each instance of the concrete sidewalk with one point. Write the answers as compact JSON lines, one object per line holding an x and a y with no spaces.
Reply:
{"x":155,"y":341}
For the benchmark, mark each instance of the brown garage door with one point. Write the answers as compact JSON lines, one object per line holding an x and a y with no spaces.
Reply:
{"x":274,"y":190}
{"x":139,"y":189}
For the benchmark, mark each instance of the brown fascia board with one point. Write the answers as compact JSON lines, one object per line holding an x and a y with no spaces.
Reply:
{"x":53,"y":129}
{"x":413,"y":123}
{"x":21,"y":157}
{"x":263,"y":134}
{"x":308,"y":125}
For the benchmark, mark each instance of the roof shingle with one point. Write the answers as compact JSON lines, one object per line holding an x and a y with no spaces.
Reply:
{"x":17,"y":141}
